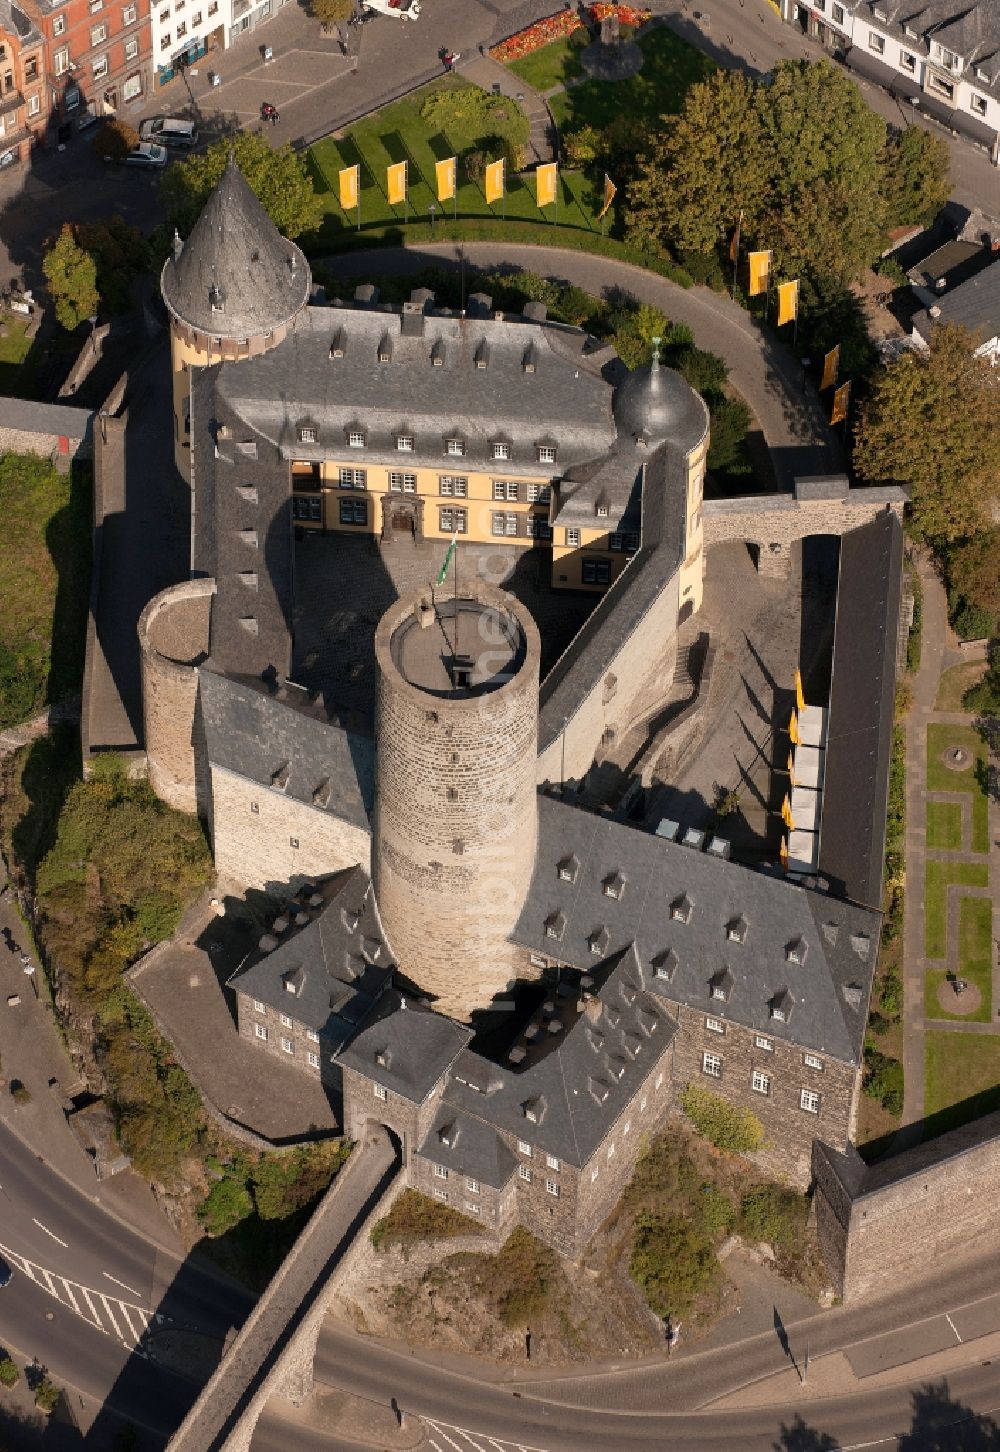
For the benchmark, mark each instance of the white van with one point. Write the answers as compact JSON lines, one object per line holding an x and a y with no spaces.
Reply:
{"x":170,"y":131}
{"x":401,"y":9}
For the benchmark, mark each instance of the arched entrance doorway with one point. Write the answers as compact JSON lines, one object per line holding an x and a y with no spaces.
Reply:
{"x":402,"y":517}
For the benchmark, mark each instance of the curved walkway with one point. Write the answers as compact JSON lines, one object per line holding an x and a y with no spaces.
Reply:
{"x":787,"y":407}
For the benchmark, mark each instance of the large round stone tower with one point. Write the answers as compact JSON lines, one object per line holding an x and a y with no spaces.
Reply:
{"x":232,"y":290}
{"x":456,"y":809}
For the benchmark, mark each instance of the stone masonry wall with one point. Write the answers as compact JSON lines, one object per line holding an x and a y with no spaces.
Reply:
{"x":408,"y":1121}
{"x":173,"y":640}
{"x":775,"y":522}
{"x":790,"y":1130}
{"x":258,"y":848}
{"x":303,"y":1042}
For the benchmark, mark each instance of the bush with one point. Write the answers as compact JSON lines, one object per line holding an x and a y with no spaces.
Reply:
{"x":19,"y":1092}
{"x":704,"y":268}
{"x":582,"y":148}
{"x":717,"y":1210}
{"x":892,"y":995}
{"x":773,"y":1214}
{"x":226,"y":1204}
{"x":672,"y":1262}
{"x":47,"y":1394}
{"x":706,"y":372}
{"x":883,"y":1079}
{"x":726,"y":1126}
{"x":115,"y":140}
{"x":730,"y":420}
{"x":519,"y":1278}
{"x":9,"y":1374}
{"x":916,"y":625}
{"x":579,"y":38}
{"x":890,"y":269}
{"x":414,"y":1217}
{"x":973,"y":622}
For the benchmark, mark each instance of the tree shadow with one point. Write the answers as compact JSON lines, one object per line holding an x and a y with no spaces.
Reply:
{"x":942,"y":1424}
{"x":68,"y":537}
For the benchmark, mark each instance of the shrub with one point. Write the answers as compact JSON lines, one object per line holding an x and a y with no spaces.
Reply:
{"x":916,"y":625}
{"x":519,"y":1278}
{"x":115,"y":140}
{"x":973,"y":622}
{"x":892,"y":995}
{"x":883,"y":1079}
{"x":582,"y":148}
{"x":20,"y":1093}
{"x":774,"y":1214}
{"x":9,"y":1374}
{"x":626,"y":32}
{"x":717,"y":1210}
{"x":672,"y":1262}
{"x":289,"y":1180}
{"x":730,"y":420}
{"x":47,"y":1394}
{"x":226,"y":1204}
{"x":704,"y":268}
{"x":579,"y":37}
{"x":475,"y":164}
{"x":889,"y":268}
{"x":725,"y":1125}
{"x":414,"y":1217}
{"x":706,"y":372}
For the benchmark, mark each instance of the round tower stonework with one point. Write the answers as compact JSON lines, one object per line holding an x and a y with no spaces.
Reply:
{"x":456,"y":810}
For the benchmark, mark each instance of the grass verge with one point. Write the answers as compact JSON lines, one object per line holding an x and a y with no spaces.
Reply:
{"x":670,"y":66}
{"x":941,"y":778}
{"x":962,"y":1078}
{"x":944,"y":825}
{"x":939,"y":877}
{"x":551,"y":66}
{"x":955,"y":682}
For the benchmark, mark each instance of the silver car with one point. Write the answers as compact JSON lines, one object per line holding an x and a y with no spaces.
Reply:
{"x":147,"y":153}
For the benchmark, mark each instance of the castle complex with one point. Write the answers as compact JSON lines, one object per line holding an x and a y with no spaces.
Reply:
{"x":516,"y":986}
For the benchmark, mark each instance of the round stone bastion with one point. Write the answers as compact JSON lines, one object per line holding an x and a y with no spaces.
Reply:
{"x":173,"y":642}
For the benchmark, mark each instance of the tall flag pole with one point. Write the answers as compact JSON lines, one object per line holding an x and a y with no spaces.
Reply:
{"x":451,"y":554}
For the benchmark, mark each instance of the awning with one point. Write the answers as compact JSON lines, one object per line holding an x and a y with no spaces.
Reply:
{"x":875,"y":70}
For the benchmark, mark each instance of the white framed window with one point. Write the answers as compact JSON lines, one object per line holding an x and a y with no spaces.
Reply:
{"x":472,"y":1208}
{"x":404,"y":443}
{"x":98,"y":34}
{"x":164,"y":16}
{"x":510,"y":524}
{"x":715,"y":1025}
{"x":505,"y":489}
{"x":286,"y":1046}
{"x":764,"y":1043}
{"x":809,"y":1101}
{"x":313,"y":1060}
{"x":454,"y":486}
{"x":760,"y":1082}
{"x":381,"y":1093}
{"x":307,"y":434}
{"x":908,"y":61}
{"x":452,"y":521}
{"x":573,"y":539}
{"x":440,"y":1194}
{"x":642,"y":1103}
{"x":455,"y":448}
{"x":259,"y":1006}
{"x":611,"y":1151}
{"x":524,"y":1173}
{"x":60,"y":60}
{"x":34,"y":105}
{"x":711,"y":1064}
{"x":812,"y":1062}
{"x":501,"y":451}
{"x":260,"y":1031}
{"x":552,"y":1163}
{"x":131,"y":49}
{"x":402,"y":483}
{"x":659,"y":1081}
{"x":96,"y":5}
{"x":58,"y":24}
{"x":128,"y":15}
{"x":472,"y":1186}
{"x":355,"y":437}
{"x":312,"y":1036}
{"x":165,"y":41}
{"x":552,"y":1188}
{"x":293,"y":842}
{"x":524,"y":1148}
{"x":838,"y":14}
{"x":353,"y":478}
{"x":626,"y":1128}
{"x":594,"y":1173}
{"x":978,"y":104}
{"x":546,"y":454}
{"x":440,"y":1172}
{"x":286,"y":1021}
{"x":537,"y":961}
{"x":255,"y":808}
{"x":876,"y":42}
{"x":539,"y":493}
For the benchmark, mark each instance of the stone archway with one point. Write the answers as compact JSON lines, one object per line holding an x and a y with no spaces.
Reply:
{"x":402,"y":517}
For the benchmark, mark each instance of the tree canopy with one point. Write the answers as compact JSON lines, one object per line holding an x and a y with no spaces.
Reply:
{"x":279,"y":179}
{"x":71,"y":274}
{"x":930,"y":424}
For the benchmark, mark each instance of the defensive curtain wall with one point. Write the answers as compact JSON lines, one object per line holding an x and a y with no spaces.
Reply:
{"x":883,"y":1225}
{"x":273,"y":1353}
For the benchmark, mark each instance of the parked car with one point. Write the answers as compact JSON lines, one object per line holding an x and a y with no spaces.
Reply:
{"x":402,"y":9}
{"x":147,"y":153}
{"x":170,"y":131}
{"x":5,"y":1273}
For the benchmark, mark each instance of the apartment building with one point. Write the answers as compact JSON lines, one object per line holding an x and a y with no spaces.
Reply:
{"x":97,"y":58}
{"x":23,"y":94}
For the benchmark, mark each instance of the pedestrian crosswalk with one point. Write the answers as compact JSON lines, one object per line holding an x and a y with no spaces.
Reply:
{"x":126,"y":1322}
{"x":443,"y":1437}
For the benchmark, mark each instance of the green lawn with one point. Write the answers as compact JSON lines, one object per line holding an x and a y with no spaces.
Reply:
{"x":955,"y":682}
{"x":944,"y":825}
{"x":938,"y":876}
{"x":670,"y":66}
{"x":975,"y":961}
{"x":553,"y":65}
{"x":399,"y":133}
{"x":15,"y":379}
{"x":962,"y":1078}
{"x":941,"y":778}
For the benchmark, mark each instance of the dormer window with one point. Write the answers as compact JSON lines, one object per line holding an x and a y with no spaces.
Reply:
{"x":534,"y":1109}
{"x":383,"y":1058}
{"x":546,"y":453}
{"x":501,"y":450}
{"x":385,"y":349}
{"x":307,"y":433}
{"x":279,"y":777}
{"x":448,"y":1134}
{"x":601,"y":510}
{"x":568,"y":868}
{"x":721,"y":985}
{"x":665,"y":964}
{"x":482,"y":355}
{"x":681,"y":908}
{"x":796,"y":950}
{"x":780,"y":1006}
{"x":337,"y":345}
{"x":529,"y":359}
{"x":598,"y":1089}
{"x":614,"y":886}
{"x":598,"y":941}
{"x":355,"y":439}
{"x":404,"y":443}
{"x":555,"y":925}
{"x":736,"y":929}
{"x":217,"y":298}
{"x":455,"y":448}
{"x":437,"y":353}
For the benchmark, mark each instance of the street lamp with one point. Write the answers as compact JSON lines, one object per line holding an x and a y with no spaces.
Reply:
{"x":433,"y":209}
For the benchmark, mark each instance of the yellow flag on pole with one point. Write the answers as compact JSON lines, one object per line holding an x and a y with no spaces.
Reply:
{"x":791,"y":767}
{"x":793,"y":729}
{"x":495,"y":181}
{"x":841,"y":399}
{"x":446,"y":176}
{"x":831,"y":367}
{"x":800,"y":699}
{"x":350,"y":181}
{"x":760,"y":272}
{"x":395,"y":183}
{"x":545,"y":184}
{"x":786,"y":813}
{"x":610,"y":192}
{"x":783,"y":853}
{"x":788,"y":302}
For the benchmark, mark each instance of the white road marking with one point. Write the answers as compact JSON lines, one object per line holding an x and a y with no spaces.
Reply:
{"x":71,"y":1293}
{"x":72,"y":1299}
{"x":50,"y":1232}
{"x":136,"y":1335}
{"x":93,"y":1309}
{"x":110,"y":1314}
{"x":953,"y":1327}
{"x":50,"y":1285}
{"x":131,"y":1289}
{"x":471,"y":1439}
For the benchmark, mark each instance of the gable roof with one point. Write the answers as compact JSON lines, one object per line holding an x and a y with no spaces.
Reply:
{"x":468,"y":1146}
{"x":975,"y":304}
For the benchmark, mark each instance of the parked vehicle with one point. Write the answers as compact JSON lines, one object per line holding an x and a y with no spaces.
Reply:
{"x":170,"y":131}
{"x":401,"y":9}
{"x":147,"y":153}
{"x":5,"y":1273}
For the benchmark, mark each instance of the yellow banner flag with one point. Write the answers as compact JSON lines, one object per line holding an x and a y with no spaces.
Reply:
{"x":793,"y":729}
{"x":395,"y":183}
{"x":786,"y":812}
{"x":610,"y":192}
{"x":831,"y":367}
{"x":446,"y":175}
{"x":791,"y":767}
{"x":783,"y":853}
{"x":788,"y":302}
{"x":495,"y":181}
{"x":545,"y":184}
{"x":800,"y":699}
{"x":760,"y":272}
{"x":841,"y":399}
{"x":350,"y":184}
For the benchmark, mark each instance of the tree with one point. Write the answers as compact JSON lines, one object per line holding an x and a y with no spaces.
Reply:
{"x":974,"y":570}
{"x":915,"y":176}
{"x":279,"y":179}
{"x":930,"y":425}
{"x":332,"y":12}
{"x":72,"y":278}
{"x":119,"y":252}
{"x":115,"y":140}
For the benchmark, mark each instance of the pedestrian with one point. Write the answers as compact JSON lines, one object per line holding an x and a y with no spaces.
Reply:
{"x":448,"y":60}
{"x":275,"y":118}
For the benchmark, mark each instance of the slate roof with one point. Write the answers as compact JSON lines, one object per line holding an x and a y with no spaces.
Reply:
{"x":278,"y":741}
{"x":563,"y":402}
{"x":969,"y":28}
{"x":830,"y":988}
{"x":46,"y":418}
{"x":974,"y":303}
{"x":406,"y":1048}
{"x":235,"y":276}
{"x":862,"y":696}
{"x":467,"y":1145}
{"x":331,"y":961}
{"x":14,"y":20}
{"x":578,"y":1089}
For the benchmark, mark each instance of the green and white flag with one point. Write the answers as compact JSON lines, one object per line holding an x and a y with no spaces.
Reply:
{"x":443,"y":572}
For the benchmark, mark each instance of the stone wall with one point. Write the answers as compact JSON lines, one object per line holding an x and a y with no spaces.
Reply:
{"x":281,"y":844}
{"x":773,"y":522}
{"x":494,"y":1209}
{"x":281,"y":1029}
{"x":409,"y":1121}
{"x":455,"y":818}
{"x":790,"y":1130}
{"x":173,"y":641}
{"x":882,"y":1226}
